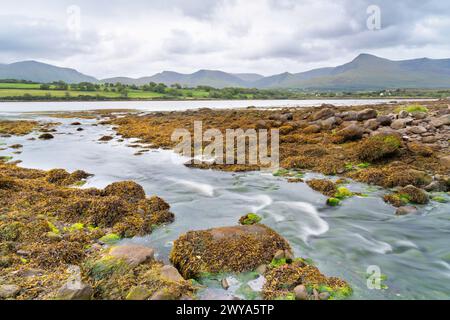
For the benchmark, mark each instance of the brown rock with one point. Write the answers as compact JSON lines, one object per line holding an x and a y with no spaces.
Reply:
{"x":322,"y":114}
{"x":402,"y":211}
{"x":445,"y":161}
{"x":314,"y":128}
{"x":133,"y":254}
{"x":352,"y":132}
{"x":301,"y":293}
{"x":170,"y":273}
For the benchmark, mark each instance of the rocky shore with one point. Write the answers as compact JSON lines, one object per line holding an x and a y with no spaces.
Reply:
{"x":392,"y":145}
{"x":59,"y":241}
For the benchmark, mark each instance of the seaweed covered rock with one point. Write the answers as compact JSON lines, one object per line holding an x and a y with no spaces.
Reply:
{"x":326,"y":187}
{"x":46,"y":225}
{"x":284,"y":281}
{"x":378,"y":147}
{"x":227,"y":249}
{"x":406,"y":195}
{"x":63,"y":178}
{"x":127,"y":190}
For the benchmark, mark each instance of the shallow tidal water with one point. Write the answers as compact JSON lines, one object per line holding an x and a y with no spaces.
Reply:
{"x":413,"y":252}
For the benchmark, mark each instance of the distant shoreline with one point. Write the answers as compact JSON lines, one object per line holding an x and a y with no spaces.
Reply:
{"x":193,"y":100}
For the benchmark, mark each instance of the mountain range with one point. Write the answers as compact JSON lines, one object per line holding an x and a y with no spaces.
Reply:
{"x":365,"y":72}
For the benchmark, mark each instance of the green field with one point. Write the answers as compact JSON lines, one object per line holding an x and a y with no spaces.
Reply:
{"x":19,"y":91}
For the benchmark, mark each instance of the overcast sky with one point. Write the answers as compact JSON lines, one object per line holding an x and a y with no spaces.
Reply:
{"x":143,"y":37}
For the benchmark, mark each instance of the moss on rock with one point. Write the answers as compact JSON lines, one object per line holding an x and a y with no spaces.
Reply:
{"x":228,"y":249}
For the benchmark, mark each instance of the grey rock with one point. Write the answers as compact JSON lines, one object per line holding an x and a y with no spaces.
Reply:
{"x":324,"y":296}
{"x":9,"y":291}
{"x":403,"y":114}
{"x":349,"y":116}
{"x":371,"y":124}
{"x":384,"y":120}
{"x":441,"y":121}
{"x":417,"y":130}
{"x":367,"y":114}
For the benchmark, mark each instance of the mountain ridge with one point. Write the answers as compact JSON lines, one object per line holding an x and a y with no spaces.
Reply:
{"x":365,"y":72}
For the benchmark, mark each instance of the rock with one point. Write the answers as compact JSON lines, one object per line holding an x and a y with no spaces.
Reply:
{"x":402,"y":211}
{"x":417,"y":130}
{"x":46,"y":136}
{"x":367,"y":114}
{"x":105,"y":138}
{"x":435,"y":186}
{"x":75,"y":124}
{"x":420,"y":149}
{"x":132,"y":254}
{"x":371,"y":124}
{"x":261,"y":269}
{"x":80,"y":129}
{"x":227,"y":249}
{"x":261,"y":124}
{"x":138,"y":293}
{"x":163,"y":295}
{"x":445,"y":161}
{"x":279,"y":255}
{"x":419,"y":115}
{"x":9,"y":291}
{"x":225,"y":284}
{"x":314,"y":128}
{"x":429,"y":139}
{"x":316,"y":294}
{"x":324,"y":296}
{"x":301,"y":293}
{"x":400,"y":124}
{"x":170,"y":273}
{"x":328,"y":124}
{"x":403,"y":114}
{"x":352,"y":132}
{"x":414,"y":194}
{"x":349,"y":116}
{"x":287,"y":117}
{"x":322,"y":114}
{"x":441,"y":121}
{"x":74,"y":288}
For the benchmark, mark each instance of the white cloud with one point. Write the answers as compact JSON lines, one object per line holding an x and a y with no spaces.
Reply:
{"x":138,"y":38}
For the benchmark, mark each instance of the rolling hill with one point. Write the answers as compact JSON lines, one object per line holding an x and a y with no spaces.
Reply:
{"x":41,"y":72}
{"x":365,"y":72}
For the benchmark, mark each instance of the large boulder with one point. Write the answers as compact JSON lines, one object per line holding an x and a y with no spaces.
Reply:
{"x":227,"y":249}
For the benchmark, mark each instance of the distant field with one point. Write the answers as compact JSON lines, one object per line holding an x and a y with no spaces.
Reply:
{"x":21,"y":89}
{"x":19,"y":86}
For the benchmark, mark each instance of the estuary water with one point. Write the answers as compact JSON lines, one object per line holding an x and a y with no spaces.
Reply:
{"x":412,"y":252}
{"x":7,"y":107}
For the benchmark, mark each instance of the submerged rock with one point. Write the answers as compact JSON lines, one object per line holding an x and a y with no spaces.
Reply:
{"x":227,"y":249}
{"x":302,"y":282}
{"x":402,"y":211}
